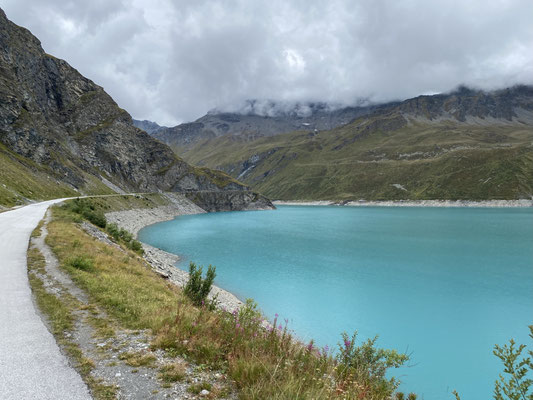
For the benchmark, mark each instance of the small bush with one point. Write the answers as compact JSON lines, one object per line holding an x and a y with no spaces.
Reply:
{"x":519,"y":382}
{"x":122,"y":235}
{"x":136,"y":246}
{"x":81,"y":262}
{"x":86,"y":209}
{"x":368,"y":364}
{"x":197,"y":288}
{"x":114,"y":231}
{"x":95,"y":218}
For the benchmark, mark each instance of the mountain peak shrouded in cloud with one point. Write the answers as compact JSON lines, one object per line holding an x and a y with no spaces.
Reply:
{"x":171,"y":61}
{"x":273,"y":108}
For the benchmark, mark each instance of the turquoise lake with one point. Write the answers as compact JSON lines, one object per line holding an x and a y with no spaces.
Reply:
{"x":443,"y":284}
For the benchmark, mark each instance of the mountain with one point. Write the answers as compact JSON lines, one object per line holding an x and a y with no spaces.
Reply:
{"x":259,"y":119}
{"x":148,"y":126}
{"x":63,"y":135}
{"x":467,"y":144}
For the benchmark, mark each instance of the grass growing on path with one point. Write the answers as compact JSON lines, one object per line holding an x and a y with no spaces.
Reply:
{"x":262,"y":362}
{"x":58,"y":310}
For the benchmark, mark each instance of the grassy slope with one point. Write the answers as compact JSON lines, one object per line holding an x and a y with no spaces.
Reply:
{"x":461,"y":162}
{"x":263,"y":364}
{"x":22,"y":179}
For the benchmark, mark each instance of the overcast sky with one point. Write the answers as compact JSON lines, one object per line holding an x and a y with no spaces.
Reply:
{"x":172,"y":61}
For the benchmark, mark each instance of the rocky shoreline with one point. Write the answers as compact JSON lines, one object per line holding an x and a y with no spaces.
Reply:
{"x":161,"y":261}
{"x":411,"y":203}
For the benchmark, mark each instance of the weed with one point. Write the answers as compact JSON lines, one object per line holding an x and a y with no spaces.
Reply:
{"x":175,"y":372}
{"x":198,"y":387}
{"x":138,"y":359}
{"x":81,"y":262}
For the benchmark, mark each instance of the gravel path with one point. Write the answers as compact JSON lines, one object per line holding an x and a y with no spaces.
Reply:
{"x":31,"y":364}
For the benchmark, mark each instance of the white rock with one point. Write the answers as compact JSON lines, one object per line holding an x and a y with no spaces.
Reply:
{"x":204,"y":392}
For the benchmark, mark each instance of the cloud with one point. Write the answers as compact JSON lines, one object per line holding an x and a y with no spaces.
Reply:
{"x":171,"y":61}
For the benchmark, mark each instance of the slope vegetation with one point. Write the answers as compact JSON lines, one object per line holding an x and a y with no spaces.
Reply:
{"x":466,"y":145}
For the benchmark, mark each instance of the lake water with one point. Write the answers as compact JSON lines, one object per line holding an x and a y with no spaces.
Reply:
{"x":443,"y":284}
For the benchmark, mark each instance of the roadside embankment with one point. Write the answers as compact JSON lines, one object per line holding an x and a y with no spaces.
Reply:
{"x":162,"y":262}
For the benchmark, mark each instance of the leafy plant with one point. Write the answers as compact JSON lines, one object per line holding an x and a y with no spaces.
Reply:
{"x":518,"y":385}
{"x":197,"y":288}
{"x":367,"y":363}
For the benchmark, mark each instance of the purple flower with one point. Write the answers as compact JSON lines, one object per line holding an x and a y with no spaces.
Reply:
{"x":280,"y":327}
{"x":347,"y":343}
{"x":325,"y":350}
{"x":237,"y":325}
{"x":310,"y":346}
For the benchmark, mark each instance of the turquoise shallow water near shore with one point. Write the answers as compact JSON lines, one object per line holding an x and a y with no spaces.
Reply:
{"x":443,"y":284}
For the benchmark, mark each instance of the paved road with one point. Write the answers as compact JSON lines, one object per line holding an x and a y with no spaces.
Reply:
{"x":31,"y":365}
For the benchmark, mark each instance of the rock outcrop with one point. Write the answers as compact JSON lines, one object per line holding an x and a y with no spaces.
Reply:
{"x":56,"y":119}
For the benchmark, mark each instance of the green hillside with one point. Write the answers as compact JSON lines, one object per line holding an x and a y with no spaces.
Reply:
{"x":382,"y":158}
{"x":23,"y":179}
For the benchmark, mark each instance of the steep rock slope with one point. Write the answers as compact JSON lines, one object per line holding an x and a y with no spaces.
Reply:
{"x":463,"y":145}
{"x":65,"y":133}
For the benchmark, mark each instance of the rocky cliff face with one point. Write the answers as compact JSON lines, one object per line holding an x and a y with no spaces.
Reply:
{"x":465,"y":103}
{"x":57,"y":119}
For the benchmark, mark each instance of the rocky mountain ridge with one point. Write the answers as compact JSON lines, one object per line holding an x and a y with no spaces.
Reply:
{"x":252,"y":124}
{"x":255,"y":121}
{"x":58,"y":124}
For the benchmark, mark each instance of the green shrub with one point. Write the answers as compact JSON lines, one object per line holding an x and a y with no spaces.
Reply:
{"x":95,"y":218}
{"x":114,"y":231}
{"x":81,"y":262}
{"x":124,"y":236}
{"x":518,"y":385}
{"x":197,"y":288}
{"x":136,"y":246}
{"x":368,"y":364}
{"x":86,"y":209}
